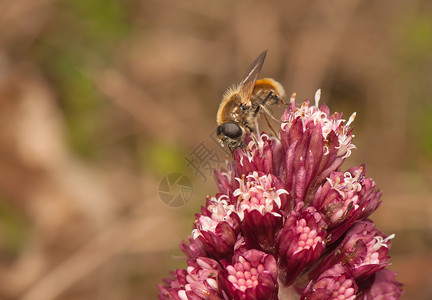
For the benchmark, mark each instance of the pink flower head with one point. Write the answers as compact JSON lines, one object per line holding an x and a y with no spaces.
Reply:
{"x":259,"y":157}
{"x":335,"y":283}
{"x":258,"y":191}
{"x":217,"y":227}
{"x":383,"y":285}
{"x":251,"y":275}
{"x":301,"y":242}
{"x":362,"y":253}
{"x":346,"y":198}
{"x":225,"y":179}
{"x":365,"y":249}
{"x":198,"y":281}
{"x":287,"y":223}
{"x":316,"y":143}
{"x":260,"y":203}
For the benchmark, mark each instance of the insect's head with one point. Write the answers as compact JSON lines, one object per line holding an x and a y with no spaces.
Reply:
{"x":230,"y":134}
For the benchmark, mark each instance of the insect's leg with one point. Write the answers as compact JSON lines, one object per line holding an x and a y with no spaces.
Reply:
{"x":269,"y":114}
{"x":248,"y":151}
{"x":257,"y":145}
{"x":271,"y":127}
{"x":255,"y":137}
{"x":257,"y":130}
{"x":272,"y":96}
{"x":258,"y":138}
{"x":260,"y":105}
{"x":292,"y":99}
{"x":283,"y":102}
{"x":232,"y":151}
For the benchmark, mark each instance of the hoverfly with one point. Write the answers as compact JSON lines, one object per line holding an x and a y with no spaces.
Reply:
{"x":242,"y":104}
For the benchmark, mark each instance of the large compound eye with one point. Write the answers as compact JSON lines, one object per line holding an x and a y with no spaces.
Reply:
{"x":231,"y":130}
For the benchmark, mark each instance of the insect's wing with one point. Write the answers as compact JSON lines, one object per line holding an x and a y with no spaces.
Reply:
{"x":247,"y":84}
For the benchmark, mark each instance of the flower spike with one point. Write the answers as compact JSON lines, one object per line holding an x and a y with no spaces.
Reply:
{"x":288,"y":222}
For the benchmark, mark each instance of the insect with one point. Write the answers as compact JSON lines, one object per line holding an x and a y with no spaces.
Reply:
{"x":242,"y":104}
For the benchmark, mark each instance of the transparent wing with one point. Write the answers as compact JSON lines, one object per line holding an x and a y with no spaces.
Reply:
{"x":247,"y":84}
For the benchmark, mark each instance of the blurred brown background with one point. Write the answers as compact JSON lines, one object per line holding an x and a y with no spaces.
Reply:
{"x":100,"y":99}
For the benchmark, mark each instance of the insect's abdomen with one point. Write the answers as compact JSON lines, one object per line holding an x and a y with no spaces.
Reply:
{"x":266,"y":85}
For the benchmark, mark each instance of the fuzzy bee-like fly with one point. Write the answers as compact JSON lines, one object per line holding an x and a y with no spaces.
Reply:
{"x":242,"y":104}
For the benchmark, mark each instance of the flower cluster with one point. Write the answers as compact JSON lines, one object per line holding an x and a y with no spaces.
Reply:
{"x":287,"y":223}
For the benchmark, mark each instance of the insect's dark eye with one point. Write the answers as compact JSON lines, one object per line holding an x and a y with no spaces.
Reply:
{"x":230,"y":130}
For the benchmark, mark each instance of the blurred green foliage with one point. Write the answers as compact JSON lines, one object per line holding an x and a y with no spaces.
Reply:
{"x":161,"y":158}
{"x":418,"y":36}
{"x":426,"y":126}
{"x":86,"y":32}
{"x":86,"y":35}
{"x":14,"y":231}
{"x":104,"y":21}
{"x":414,"y":49}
